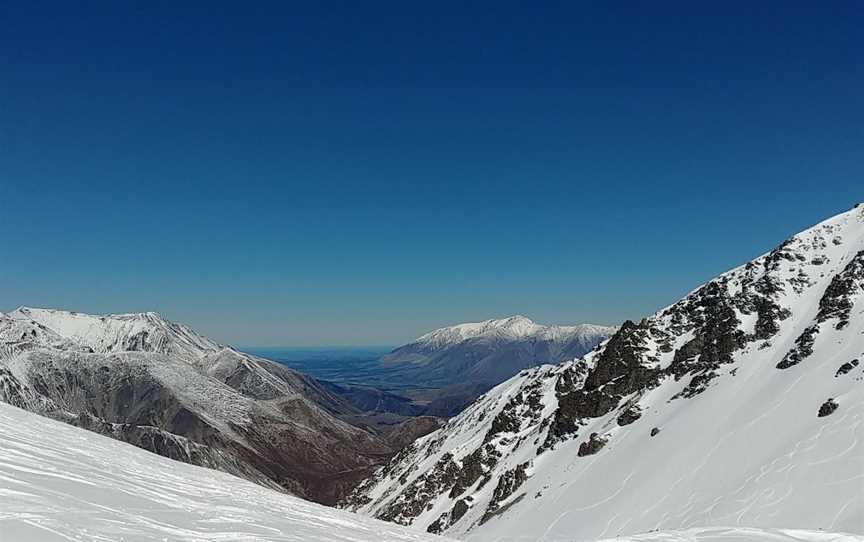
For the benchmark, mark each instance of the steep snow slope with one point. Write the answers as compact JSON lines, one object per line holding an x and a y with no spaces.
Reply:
{"x":159,"y":385}
{"x":468,"y":359}
{"x":62,"y":483}
{"x":741,"y":405}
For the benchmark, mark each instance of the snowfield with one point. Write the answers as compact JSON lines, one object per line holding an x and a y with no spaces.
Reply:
{"x":737,"y":534}
{"x":60,"y":483}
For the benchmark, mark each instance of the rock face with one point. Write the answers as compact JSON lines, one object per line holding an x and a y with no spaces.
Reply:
{"x":828,"y":408}
{"x":160,"y":386}
{"x":733,"y":374}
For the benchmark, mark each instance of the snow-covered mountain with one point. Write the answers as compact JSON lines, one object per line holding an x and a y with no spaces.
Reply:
{"x":514,"y":328}
{"x":740,"y":405}
{"x":161,"y":386}
{"x":471,"y":358}
{"x":64,"y":483}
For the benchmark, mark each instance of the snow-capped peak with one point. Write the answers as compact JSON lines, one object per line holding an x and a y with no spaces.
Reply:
{"x":515,"y":327}
{"x":145,"y":331}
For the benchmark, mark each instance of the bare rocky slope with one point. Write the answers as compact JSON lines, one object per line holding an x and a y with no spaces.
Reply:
{"x":160,"y":386}
{"x":740,"y":405}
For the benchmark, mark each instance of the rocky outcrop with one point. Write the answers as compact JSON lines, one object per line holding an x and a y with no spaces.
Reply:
{"x":846,"y":368}
{"x":594,"y":444}
{"x":828,"y":408}
{"x":510,"y":481}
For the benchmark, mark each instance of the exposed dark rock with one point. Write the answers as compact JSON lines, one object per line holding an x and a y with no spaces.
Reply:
{"x":449,"y":518}
{"x":717,"y":336}
{"x":846,"y":367}
{"x":594,"y":444}
{"x":507,"y":421}
{"x":655,"y":431}
{"x":629,"y":416}
{"x":421,"y":492}
{"x":837,"y":301}
{"x":459,"y":510}
{"x":619,"y":366}
{"x":827,"y":408}
{"x":803,"y":348}
{"x":474,"y":466}
{"x":508,"y":483}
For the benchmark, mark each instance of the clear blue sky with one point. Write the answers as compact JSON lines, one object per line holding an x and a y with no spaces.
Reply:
{"x":302,"y":173}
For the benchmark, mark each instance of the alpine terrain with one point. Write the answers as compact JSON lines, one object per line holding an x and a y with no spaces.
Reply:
{"x":737,"y":410}
{"x":160,"y":386}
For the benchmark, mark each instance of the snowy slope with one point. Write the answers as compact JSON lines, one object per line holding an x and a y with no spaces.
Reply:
{"x":738,"y":534}
{"x":62,"y":483}
{"x":161,"y":386}
{"x":59,"y":482}
{"x":741,"y":405}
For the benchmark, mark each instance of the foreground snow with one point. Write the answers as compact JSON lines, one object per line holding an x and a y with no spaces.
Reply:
{"x":737,"y":534}
{"x":59,"y":482}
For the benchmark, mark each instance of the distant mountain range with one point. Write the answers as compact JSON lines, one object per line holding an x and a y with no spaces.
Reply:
{"x":465,"y":360}
{"x":741,"y":404}
{"x":491,"y":351}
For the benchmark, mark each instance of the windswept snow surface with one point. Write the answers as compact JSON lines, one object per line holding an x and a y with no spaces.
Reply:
{"x":737,"y":534}
{"x":60,"y":483}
